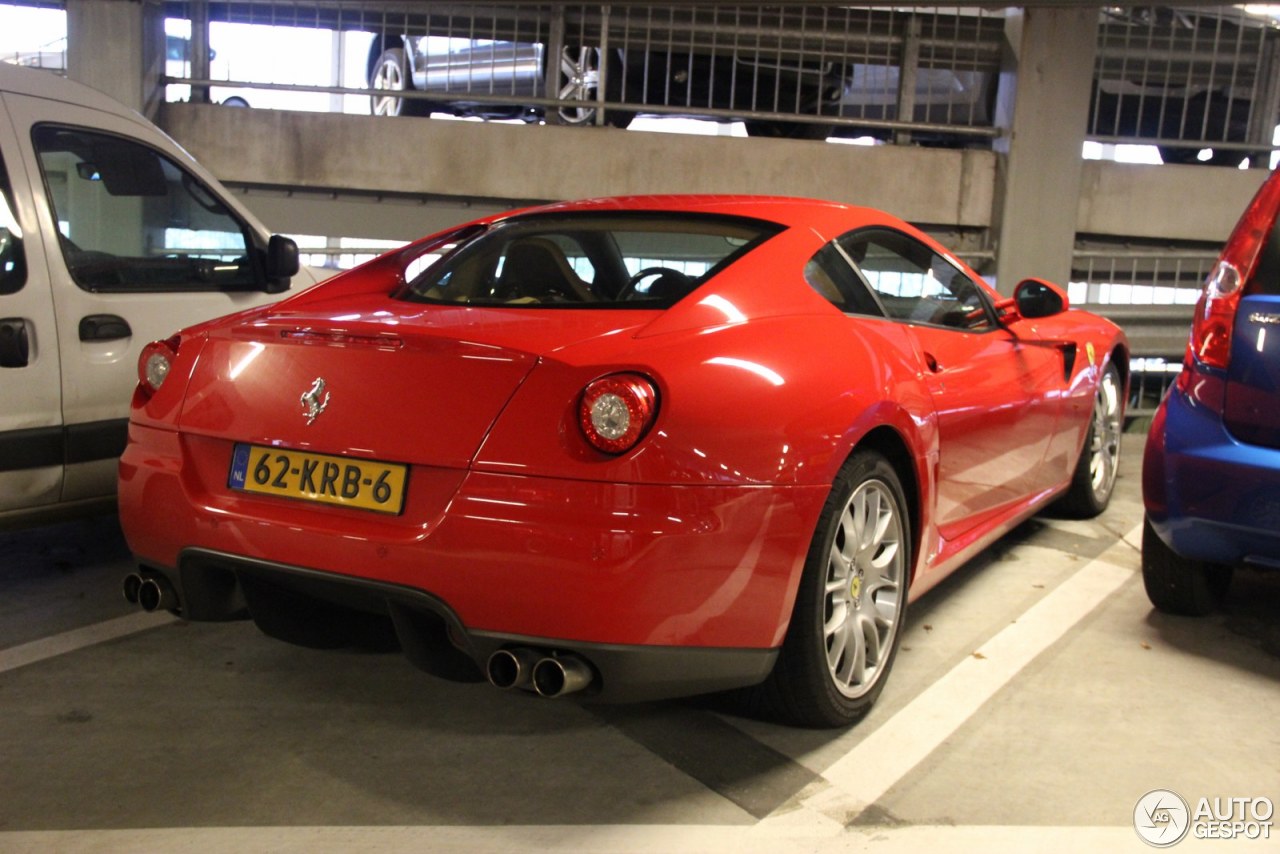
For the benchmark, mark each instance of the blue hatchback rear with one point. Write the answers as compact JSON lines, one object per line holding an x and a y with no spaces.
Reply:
{"x":1211,"y":472}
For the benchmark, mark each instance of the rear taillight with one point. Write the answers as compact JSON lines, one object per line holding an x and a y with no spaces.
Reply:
{"x":1216,"y":315}
{"x":1216,"y":310}
{"x":617,"y":410}
{"x":155,"y":363}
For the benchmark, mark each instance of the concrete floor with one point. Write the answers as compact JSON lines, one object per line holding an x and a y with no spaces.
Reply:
{"x":1036,"y":699}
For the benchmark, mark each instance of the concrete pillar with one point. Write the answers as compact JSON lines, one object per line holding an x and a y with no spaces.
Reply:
{"x":198,"y":49}
{"x":117,"y":47}
{"x":1043,"y":108}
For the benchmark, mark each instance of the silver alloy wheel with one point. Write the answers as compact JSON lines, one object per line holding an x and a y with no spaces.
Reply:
{"x":388,"y":76}
{"x":866,"y":575}
{"x":579,"y":79}
{"x":1104,"y":451}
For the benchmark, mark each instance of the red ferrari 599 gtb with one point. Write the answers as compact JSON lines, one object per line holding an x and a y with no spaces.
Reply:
{"x":622,"y":448}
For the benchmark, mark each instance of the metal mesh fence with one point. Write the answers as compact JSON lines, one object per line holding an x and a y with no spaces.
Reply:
{"x":793,"y":71}
{"x":1197,"y":82}
{"x":1151,"y":293}
{"x":1137,"y":277}
{"x":1187,"y":79}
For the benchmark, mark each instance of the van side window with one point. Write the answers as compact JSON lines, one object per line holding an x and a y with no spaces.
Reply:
{"x":13,"y":261}
{"x":131,"y":219}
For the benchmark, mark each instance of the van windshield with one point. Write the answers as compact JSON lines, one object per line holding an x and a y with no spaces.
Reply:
{"x":629,"y":260}
{"x":130,"y":219}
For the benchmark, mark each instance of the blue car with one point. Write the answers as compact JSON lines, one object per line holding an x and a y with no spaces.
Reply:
{"x":1211,"y":472}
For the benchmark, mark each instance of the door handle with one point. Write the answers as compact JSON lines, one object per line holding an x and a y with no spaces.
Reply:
{"x":104,"y":327}
{"x":15,"y":344}
{"x":931,"y":363}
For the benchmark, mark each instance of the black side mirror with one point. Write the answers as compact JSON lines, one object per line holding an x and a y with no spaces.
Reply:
{"x":1037,"y":298}
{"x":281,"y":262}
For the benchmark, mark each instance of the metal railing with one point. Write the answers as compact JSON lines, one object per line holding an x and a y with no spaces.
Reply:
{"x":1151,"y":293}
{"x":1197,"y":82}
{"x":1187,"y":79}
{"x":922,"y":73}
{"x":1125,"y":276}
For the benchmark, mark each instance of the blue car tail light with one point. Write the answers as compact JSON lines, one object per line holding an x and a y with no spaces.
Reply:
{"x":1232,"y":278}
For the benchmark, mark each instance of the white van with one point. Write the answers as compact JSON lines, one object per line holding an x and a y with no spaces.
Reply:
{"x":111,"y":236}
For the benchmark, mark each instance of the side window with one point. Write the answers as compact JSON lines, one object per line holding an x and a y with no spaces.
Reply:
{"x":828,"y":272}
{"x":131,"y":219}
{"x":915,"y":283}
{"x":13,"y":260}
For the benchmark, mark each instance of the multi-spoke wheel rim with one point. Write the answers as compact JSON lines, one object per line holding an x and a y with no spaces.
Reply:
{"x":1104,"y":451}
{"x":865,"y":582}
{"x":388,"y":77}
{"x":579,"y":79}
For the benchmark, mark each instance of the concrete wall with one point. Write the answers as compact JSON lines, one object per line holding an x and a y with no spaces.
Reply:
{"x":543,"y":162}
{"x":441,"y":172}
{"x":1174,"y":203}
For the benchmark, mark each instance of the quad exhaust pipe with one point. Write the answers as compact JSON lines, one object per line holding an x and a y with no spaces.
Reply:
{"x":151,"y":593}
{"x":553,"y":674}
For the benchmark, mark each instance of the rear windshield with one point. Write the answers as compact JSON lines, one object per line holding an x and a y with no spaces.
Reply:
{"x":1266,"y":276}
{"x":593,"y":260}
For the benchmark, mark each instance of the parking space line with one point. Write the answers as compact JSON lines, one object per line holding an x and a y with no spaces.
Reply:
{"x":638,"y":838}
{"x":50,"y":647}
{"x":861,"y":777}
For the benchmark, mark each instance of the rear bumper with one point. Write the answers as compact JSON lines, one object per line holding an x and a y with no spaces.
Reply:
{"x":1209,"y":496}
{"x":212,"y":586}
{"x":666,"y":590}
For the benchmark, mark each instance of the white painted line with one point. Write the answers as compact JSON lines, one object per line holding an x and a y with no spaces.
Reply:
{"x":633,"y":839}
{"x":861,"y":777}
{"x":50,"y":647}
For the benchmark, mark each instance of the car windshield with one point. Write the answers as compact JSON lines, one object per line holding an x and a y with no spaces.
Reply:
{"x":640,"y":260}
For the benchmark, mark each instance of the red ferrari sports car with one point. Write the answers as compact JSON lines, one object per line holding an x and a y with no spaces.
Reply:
{"x":623,"y":448}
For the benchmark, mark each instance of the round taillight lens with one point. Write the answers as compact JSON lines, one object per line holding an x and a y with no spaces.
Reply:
{"x":617,"y":411}
{"x":155,"y":363}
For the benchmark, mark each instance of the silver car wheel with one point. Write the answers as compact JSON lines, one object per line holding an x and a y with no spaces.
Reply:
{"x":579,"y":80}
{"x":388,"y":76}
{"x":1104,"y":452}
{"x":866,"y":574}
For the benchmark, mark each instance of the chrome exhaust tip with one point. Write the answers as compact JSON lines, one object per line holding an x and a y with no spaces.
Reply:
{"x":156,"y":594}
{"x":132,"y":584}
{"x":512,"y":668}
{"x":561,"y":675}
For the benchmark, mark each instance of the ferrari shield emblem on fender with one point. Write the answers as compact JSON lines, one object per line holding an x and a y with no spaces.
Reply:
{"x":314,"y":400}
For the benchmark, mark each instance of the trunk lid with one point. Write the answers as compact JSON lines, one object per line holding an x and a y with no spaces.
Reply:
{"x":1252,"y":410}
{"x":382,"y":380}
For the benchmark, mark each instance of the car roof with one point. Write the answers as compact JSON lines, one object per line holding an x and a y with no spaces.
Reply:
{"x":47,"y":84}
{"x":826,"y":217}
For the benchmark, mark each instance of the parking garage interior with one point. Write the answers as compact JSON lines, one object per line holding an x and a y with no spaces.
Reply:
{"x":1037,"y":697}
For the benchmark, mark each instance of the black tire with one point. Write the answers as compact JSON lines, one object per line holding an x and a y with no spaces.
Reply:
{"x":787,"y":130}
{"x":863,"y":578}
{"x":1178,"y":585}
{"x":1095,"y":476}
{"x":390,"y":73}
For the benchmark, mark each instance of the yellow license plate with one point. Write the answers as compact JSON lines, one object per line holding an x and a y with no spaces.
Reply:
{"x":347,"y":482}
